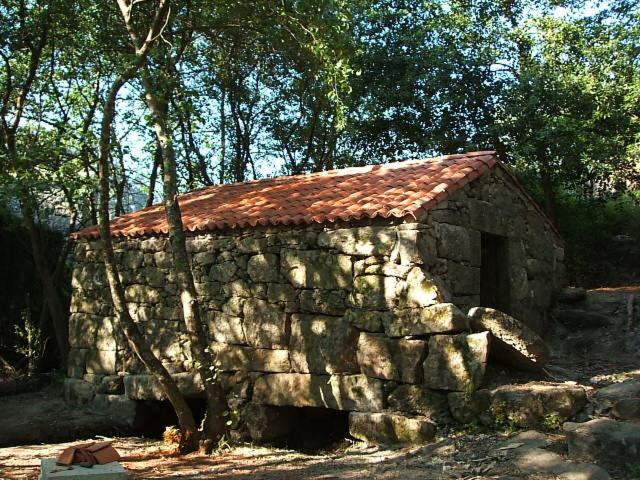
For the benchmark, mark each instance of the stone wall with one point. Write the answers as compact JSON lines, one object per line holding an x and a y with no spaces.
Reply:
{"x":336,"y":316}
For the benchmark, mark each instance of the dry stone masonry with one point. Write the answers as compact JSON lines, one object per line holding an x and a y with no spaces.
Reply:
{"x":366,"y":317}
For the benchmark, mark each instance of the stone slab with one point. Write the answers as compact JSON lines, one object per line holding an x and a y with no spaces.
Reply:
{"x":514,"y":343}
{"x":145,"y":387}
{"x":529,"y":405}
{"x":238,"y":358}
{"x":389,"y":428}
{"x":438,"y":318}
{"x":108,"y":471}
{"x":339,"y":392}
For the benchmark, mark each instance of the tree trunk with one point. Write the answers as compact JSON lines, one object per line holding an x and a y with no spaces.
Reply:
{"x":214,"y":424}
{"x":157,"y":161}
{"x":223,"y":135}
{"x":547,"y":184}
{"x":49,"y":291}
{"x":189,"y":434}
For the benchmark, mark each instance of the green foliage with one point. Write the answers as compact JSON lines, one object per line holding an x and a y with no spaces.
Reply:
{"x":552,"y":422}
{"x":601,"y":237}
{"x":30,"y":342}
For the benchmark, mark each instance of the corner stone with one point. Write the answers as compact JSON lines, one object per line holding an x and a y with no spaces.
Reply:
{"x":456,"y":362}
{"x":391,"y":359}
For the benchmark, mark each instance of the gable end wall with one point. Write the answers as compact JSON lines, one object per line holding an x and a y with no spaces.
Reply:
{"x":493,"y":204}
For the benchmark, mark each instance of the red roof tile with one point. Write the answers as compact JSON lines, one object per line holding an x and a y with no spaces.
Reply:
{"x":396,"y":189}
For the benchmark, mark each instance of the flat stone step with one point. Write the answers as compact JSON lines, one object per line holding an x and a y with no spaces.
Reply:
{"x":109,"y":471}
{"x":391,"y":429}
{"x":530,"y":405}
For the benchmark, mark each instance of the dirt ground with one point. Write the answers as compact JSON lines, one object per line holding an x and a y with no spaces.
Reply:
{"x":455,"y":454}
{"x":461,"y":456}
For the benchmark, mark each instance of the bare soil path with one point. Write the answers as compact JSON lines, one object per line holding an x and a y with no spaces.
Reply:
{"x":462,"y":456}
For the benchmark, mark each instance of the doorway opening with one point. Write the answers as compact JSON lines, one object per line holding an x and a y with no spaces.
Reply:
{"x":495,"y":282}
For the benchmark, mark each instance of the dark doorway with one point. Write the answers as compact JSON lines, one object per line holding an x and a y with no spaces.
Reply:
{"x":494,"y":272}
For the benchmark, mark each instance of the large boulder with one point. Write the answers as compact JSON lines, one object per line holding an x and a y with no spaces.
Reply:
{"x":373,"y":292}
{"x":456,"y":362}
{"x":608,"y":442}
{"x":532,"y":405}
{"x":421,"y":289}
{"x":322,"y":344}
{"x":438,"y":318}
{"x":78,"y":392}
{"x":627,"y":409}
{"x":101,"y":361}
{"x":605,"y":398}
{"x":388,"y":428}
{"x":339,"y":392}
{"x":110,"y":384}
{"x":513,"y":343}
{"x":391,"y":359}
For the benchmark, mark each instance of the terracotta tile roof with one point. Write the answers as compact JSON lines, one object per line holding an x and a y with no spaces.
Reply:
{"x":393,"y":190}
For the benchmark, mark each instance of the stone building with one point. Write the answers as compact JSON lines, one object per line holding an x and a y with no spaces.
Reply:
{"x":345,"y":290}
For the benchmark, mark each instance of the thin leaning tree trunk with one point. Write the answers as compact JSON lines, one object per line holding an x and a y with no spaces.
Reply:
{"x":50,"y":292}
{"x":189,"y":432}
{"x":215,"y":423}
